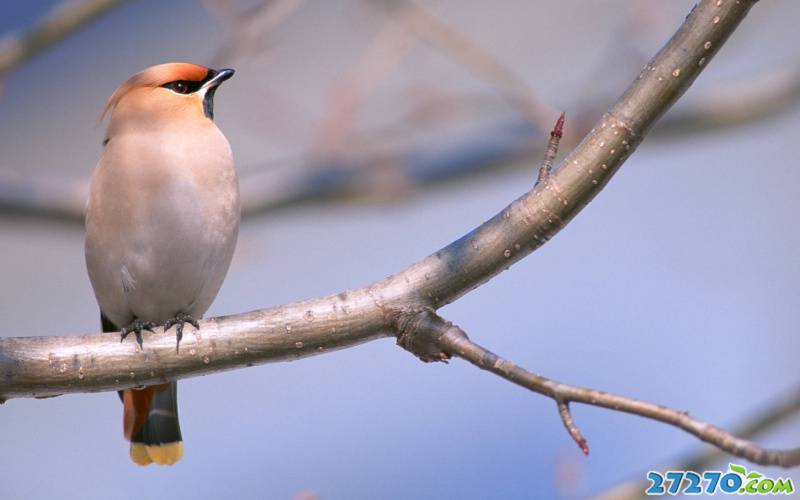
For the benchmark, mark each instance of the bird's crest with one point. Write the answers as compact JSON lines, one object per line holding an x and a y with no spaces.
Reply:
{"x":155,"y":76}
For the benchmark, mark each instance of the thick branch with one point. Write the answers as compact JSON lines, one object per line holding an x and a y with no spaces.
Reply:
{"x":42,"y":366}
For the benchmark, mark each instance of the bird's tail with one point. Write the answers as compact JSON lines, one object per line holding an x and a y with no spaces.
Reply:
{"x":151,"y":424}
{"x":150,"y":420}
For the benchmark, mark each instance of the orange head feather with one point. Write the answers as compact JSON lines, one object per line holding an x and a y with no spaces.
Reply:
{"x":155,"y":76}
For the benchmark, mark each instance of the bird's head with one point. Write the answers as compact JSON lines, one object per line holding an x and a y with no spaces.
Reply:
{"x":166,"y":93}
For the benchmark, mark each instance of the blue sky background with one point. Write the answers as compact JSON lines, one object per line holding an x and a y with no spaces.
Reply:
{"x":679,"y":284}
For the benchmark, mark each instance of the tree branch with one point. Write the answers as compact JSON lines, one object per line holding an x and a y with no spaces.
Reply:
{"x":767,"y":418}
{"x":429,"y":336}
{"x":46,"y":366}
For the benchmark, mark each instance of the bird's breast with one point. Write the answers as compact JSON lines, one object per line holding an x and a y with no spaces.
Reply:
{"x":162,"y":221}
{"x":182,"y":173}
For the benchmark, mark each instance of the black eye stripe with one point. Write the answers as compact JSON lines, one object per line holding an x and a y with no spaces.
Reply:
{"x":183,"y":86}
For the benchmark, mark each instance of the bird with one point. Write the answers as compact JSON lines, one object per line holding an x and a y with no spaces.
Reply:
{"x":162,"y":220}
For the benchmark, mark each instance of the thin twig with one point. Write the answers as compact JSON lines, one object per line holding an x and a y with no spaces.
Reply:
{"x":428,"y":332}
{"x":552,"y":150}
{"x":571,"y":426}
{"x":765,"y":419}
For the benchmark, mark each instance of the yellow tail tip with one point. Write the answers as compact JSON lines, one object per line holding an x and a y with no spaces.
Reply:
{"x":139,"y":454}
{"x":165,"y":454}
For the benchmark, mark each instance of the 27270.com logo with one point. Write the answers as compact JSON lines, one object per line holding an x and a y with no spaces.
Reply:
{"x":737,"y":480}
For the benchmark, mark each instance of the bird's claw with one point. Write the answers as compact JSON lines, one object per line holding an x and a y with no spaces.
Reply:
{"x":136,"y":326}
{"x":179,"y":321}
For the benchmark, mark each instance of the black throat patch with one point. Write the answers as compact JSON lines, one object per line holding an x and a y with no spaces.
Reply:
{"x":208,"y":99}
{"x":208,"y":103}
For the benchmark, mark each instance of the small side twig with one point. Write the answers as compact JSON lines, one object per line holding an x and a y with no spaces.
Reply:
{"x":552,"y":150}
{"x":571,"y":426}
{"x":428,"y":332}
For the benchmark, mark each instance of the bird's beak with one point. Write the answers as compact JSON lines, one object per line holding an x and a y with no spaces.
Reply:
{"x":217,"y":77}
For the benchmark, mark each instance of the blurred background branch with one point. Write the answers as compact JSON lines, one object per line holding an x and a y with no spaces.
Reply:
{"x":379,"y":163}
{"x":248,"y":30}
{"x":61,"y":22}
{"x":472,"y":56}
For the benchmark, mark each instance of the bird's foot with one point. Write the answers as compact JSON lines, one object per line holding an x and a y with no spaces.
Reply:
{"x":136,"y":326}
{"x":179,"y":321}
